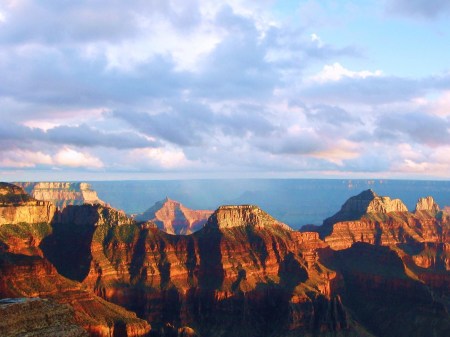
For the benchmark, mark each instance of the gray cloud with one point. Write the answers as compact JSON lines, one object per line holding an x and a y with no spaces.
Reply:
{"x":373,"y":159}
{"x":86,"y":136}
{"x":299,"y":144}
{"x":416,"y":127}
{"x":66,"y":79}
{"x":63,"y":22}
{"x":236,"y":68}
{"x":419,"y":8}
{"x":329,"y":114}
{"x":370,"y":90}
{"x":243,"y":105}
{"x":194,"y":124}
{"x":13,"y":135}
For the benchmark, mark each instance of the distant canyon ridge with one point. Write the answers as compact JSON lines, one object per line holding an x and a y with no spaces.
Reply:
{"x":169,"y":215}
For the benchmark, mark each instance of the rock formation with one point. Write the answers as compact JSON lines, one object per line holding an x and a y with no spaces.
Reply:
{"x":26,"y":272}
{"x":243,"y":273}
{"x":427,"y":204}
{"x":62,"y":194}
{"x":18,"y":207}
{"x":367,"y":202}
{"x":172,"y":217}
{"x":35,"y":317}
{"x":240,"y":269}
{"x":241,"y":216}
{"x":382,"y":221}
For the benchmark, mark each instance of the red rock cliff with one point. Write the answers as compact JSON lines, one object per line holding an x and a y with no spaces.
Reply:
{"x":172,"y":217}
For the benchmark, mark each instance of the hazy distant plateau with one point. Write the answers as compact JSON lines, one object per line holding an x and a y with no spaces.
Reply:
{"x":294,"y":201}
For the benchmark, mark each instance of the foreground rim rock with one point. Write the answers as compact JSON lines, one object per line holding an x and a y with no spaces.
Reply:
{"x":37,"y":317}
{"x":26,"y":272}
{"x":373,"y":269}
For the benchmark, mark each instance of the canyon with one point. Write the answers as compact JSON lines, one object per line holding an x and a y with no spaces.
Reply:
{"x":372,"y":269}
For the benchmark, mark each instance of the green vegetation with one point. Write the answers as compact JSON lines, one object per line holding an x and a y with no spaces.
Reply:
{"x":125,"y":233}
{"x":24,"y":231}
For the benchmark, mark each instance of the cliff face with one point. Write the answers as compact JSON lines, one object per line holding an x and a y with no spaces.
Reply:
{"x":420,"y":239}
{"x":367,"y":202}
{"x":243,"y":274}
{"x":18,"y":207}
{"x":172,"y":217}
{"x":427,"y":204}
{"x":241,"y":216}
{"x":62,"y":194}
{"x":26,"y":272}
{"x":389,"y":299}
{"x":31,"y":276}
{"x":43,"y":318}
{"x":377,"y":220}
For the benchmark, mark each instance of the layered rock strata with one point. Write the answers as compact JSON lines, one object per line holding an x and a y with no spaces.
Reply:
{"x":18,"y":207}
{"x":231,"y":276}
{"x":244,"y":265}
{"x":377,"y":220}
{"x":62,"y":194}
{"x":26,"y":272}
{"x":172,"y":217}
{"x":420,"y":239}
{"x":244,"y":273}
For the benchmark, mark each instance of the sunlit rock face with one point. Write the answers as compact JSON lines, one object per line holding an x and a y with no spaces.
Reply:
{"x":62,"y":194}
{"x":420,"y":238}
{"x":427,"y":204}
{"x":16,"y":207}
{"x":365,"y":203}
{"x":242,"y":216}
{"x":377,"y":220}
{"x":25,"y":244}
{"x":174,"y":218}
{"x":244,"y":273}
{"x":218,"y":279}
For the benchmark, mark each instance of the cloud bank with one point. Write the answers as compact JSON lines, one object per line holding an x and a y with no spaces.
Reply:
{"x":209,"y":88}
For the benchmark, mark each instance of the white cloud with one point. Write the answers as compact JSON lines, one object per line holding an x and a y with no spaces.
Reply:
{"x":167,"y":158}
{"x":24,"y":159}
{"x":72,"y":158}
{"x":340,"y":151}
{"x":315,"y":38}
{"x":441,"y":106}
{"x":335,"y":72}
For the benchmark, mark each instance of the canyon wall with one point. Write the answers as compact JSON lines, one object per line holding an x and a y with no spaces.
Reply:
{"x":62,"y":194}
{"x":18,"y":207}
{"x":243,"y":273}
{"x":26,"y":272}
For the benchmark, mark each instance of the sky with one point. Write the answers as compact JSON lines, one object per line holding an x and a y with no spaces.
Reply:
{"x":181,"y":89}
